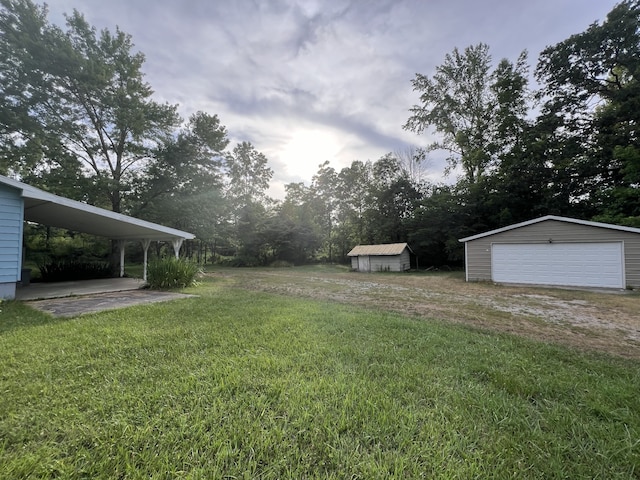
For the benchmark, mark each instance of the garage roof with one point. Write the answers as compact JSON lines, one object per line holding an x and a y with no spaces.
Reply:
{"x":48,"y":209}
{"x":552,"y":217}
{"x":384,"y":249}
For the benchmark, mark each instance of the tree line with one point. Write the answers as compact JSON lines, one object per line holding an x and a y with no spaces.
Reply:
{"x":78,"y":119}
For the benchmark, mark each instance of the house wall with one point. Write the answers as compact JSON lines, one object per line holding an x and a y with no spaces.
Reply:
{"x":478,"y":252}
{"x":11,"y":222}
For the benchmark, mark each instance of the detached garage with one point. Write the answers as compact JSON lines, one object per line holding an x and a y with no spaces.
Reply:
{"x":389,"y":257}
{"x":556,"y":251}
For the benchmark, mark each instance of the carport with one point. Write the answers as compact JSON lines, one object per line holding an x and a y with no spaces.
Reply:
{"x":20,"y":202}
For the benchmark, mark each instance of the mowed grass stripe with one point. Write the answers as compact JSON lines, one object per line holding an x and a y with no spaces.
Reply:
{"x":239,"y":385}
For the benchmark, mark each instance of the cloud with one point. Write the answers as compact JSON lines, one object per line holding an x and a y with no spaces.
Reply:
{"x":278,"y":72}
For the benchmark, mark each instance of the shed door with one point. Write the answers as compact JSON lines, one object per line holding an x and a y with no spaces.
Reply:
{"x":363,"y":263}
{"x":573,"y":264}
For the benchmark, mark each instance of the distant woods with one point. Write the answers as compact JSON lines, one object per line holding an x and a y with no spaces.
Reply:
{"x":78,"y":119}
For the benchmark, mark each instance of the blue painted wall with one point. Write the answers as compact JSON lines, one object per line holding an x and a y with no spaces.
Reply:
{"x":11,"y":224}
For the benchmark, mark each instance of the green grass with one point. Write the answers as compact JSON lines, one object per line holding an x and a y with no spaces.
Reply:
{"x":248,"y":385}
{"x":134,"y":270}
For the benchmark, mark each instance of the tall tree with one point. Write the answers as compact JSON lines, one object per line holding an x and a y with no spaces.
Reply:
{"x":392,"y":196}
{"x":248,"y":177}
{"x":185,"y":164}
{"x":323,"y":193}
{"x":352,"y":202}
{"x":471,"y":108}
{"x":183,"y":187}
{"x":290,"y":233}
{"x":76,"y":94}
{"x":414,"y":163}
{"x":599,"y":62}
{"x":591,"y":83}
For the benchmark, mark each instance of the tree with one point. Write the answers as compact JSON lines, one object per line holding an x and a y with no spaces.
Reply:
{"x":246,"y":197}
{"x":392,"y":197}
{"x":591,"y":84}
{"x":414,"y":164}
{"x":322,"y":200}
{"x":600,"y":62}
{"x":290,"y":235}
{"x":352,"y":197}
{"x":475,"y":111}
{"x":76,"y":96}
{"x":434,"y":227}
{"x":248,"y":175}
{"x":184,"y":166}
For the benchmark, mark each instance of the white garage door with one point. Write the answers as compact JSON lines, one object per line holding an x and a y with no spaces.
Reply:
{"x":574,"y":264}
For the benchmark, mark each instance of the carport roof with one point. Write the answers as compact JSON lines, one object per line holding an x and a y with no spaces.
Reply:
{"x":53,"y":210}
{"x":552,"y":217}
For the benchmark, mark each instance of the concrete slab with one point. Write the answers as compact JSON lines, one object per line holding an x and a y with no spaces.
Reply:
{"x":36,"y":291}
{"x":68,"y":299}
{"x":73,"y":306}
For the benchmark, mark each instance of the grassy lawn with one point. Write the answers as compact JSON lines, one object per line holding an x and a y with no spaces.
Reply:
{"x":237,"y":384}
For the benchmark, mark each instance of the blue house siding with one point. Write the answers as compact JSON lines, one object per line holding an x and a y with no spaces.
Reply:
{"x":11,"y":224}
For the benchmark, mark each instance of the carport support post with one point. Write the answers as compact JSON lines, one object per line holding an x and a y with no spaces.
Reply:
{"x":145,"y":246}
{"x":121,"y":244}
{"x":177,"y":243}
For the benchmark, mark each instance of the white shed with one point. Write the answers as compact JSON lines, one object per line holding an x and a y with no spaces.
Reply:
{"x":390,"y":257}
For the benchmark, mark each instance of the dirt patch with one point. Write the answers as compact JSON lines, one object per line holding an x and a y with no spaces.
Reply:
{"x":602,"y":321}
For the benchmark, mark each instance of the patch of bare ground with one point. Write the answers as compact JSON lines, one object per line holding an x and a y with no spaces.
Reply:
{"x":590,"y":320}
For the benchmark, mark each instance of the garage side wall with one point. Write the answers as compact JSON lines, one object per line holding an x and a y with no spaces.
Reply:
{"x":479,"y":251}
{"x":11,"y":221}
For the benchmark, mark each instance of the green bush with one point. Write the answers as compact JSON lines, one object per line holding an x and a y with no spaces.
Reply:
{"x":241,"y":261}
{"x":67,"y":270}
{"x":171,"y":272}
{"x":281,"y":264}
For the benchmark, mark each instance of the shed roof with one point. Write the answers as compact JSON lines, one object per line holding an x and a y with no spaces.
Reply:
{"x":383,"y":249}
{"x":552,"y":217}
{"x":53,"y":210}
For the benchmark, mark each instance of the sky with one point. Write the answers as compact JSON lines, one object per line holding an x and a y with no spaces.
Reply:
{"x":307,"y":81}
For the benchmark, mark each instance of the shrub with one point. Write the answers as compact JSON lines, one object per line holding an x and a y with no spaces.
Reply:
{"x":281,"y":264}
{"x":171,"y":272}
{"x":66,"y":270}
{"x":241,"y":261}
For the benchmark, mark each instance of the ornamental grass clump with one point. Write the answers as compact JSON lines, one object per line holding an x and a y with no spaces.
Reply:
{"x":171,"y":272}
{"x":68,"y":270}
